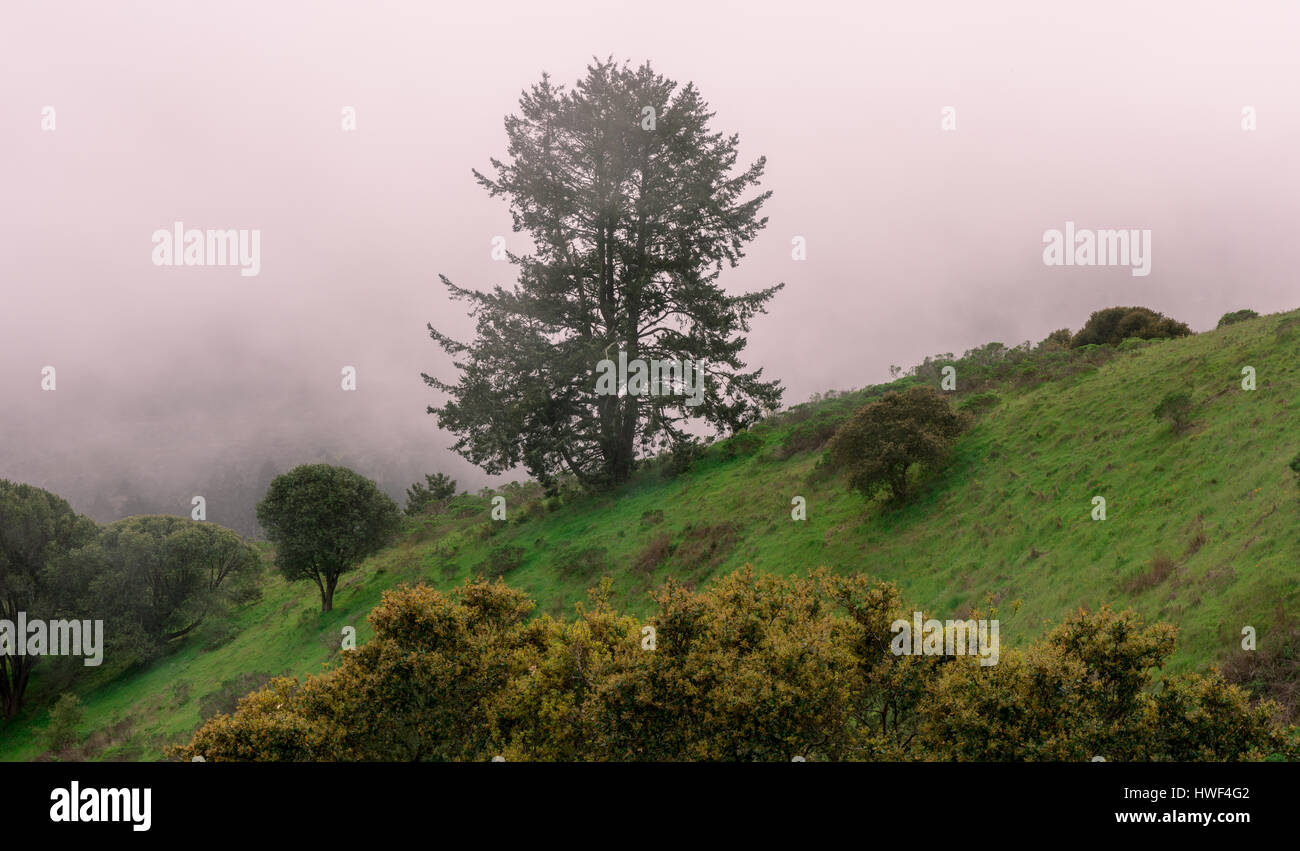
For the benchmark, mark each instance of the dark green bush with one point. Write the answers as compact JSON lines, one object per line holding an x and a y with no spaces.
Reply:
{"x":65,"y":718}
{"x":1112,"y":326}
{"x":500,"y":561}
{"x":1236,"y":316}
{"x":740,"y":445}
{"x":680,"y":459}
{"x":1175,"y":409}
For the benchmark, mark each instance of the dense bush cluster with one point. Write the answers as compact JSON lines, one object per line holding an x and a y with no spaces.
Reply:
{"x":1114,"y":325}
{"x":753,"y":668}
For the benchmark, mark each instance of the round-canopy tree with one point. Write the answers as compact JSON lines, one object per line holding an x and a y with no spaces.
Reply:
{"x":885,"y":438}
{"x":35,"y":527}
{"x":323,"y":521}
{"x":155,"y":577}
{"x":633,"y":209}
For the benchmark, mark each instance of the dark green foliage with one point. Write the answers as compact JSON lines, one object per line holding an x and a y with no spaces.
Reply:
{"x":680,"y":459}
{"x":500,"y":561}
{"x":1295,"y":467}
{"x":1176,"y":410}
{"x":324,"y":521}
{"x":155,"y":578}
{"x":65,"y":719}
{"x":1112,"y":326}
{"x":1058,"y":339}
{"x":1236,"y":316}
{"x":740,"y":445}
{"x":630,"y":227}
{"x":437,"y":487}
{"x":886,"y":438}
{"x":36,"y":529}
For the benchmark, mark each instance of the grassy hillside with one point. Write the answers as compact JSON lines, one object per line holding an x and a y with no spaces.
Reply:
{"x":1201,"y":528}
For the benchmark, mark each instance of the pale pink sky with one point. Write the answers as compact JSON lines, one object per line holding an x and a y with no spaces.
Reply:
{"x":227,"y":114}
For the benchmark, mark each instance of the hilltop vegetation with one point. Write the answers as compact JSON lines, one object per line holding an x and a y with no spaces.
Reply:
{"x":1199,"y":530}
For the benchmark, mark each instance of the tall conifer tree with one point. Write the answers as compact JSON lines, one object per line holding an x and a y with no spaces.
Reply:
{"x":634,"y":208}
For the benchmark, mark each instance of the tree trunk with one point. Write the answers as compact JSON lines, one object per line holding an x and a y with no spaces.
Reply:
{"x":16,"y":672}
{"x":327,"y":594}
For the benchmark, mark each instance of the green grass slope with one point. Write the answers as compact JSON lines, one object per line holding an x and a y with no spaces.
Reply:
{"x":1201,"y":528}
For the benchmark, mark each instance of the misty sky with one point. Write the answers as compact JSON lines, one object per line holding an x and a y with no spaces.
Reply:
{"x":228,"y":115}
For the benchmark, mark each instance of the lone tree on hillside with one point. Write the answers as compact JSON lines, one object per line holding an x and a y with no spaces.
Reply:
{"x":435,"y":488}
{"x":35,"y":527}
{"x":630,"y":200}
{"x":884,"y":439}
{"x":324,"y":521}
{"x":1175,"y":409}
{"x":1114,"y":325}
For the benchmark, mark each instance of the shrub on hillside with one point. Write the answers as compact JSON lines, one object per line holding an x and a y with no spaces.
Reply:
{"x":680,"y":458}
{"x":886,"y":438}
{"x":437,"y":487}
{"x":1236,"y":316}
{"x":1055,"y":341}
{"x":754,"y":668}
{"x":740,"y":445}
{"x":65,"y":719}
{"x":1175,"y":409}
{"x":500,"y":561}
{"x":1113,"y":325}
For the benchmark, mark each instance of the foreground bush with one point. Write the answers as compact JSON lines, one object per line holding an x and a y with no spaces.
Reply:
{"x":754,"y":668}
